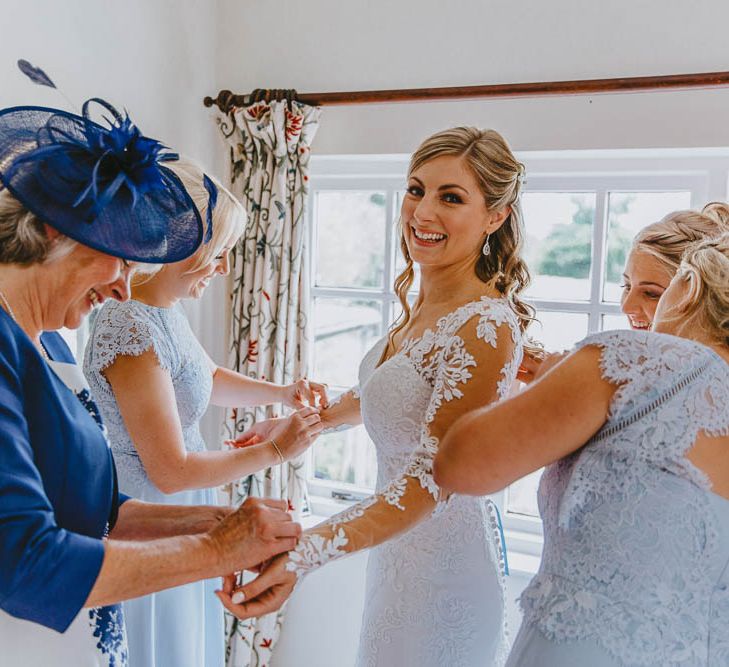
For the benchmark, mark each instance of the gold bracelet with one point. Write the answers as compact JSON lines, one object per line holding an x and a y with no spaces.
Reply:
{"x":278,"y":451}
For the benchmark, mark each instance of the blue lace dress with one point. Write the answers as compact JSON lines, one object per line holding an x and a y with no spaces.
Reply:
{"x":182,"y":626}
{"x":635,"y":569}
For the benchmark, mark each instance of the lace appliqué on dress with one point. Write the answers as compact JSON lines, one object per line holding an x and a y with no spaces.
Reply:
{"x":629,"y":495}
{"x":314,"y":550}
{"x":441,"y":356}
{"x":354,"y":393}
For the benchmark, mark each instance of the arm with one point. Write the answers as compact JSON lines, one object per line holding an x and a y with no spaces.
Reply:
{"x":48,"y":573}
{"x":492,"y":447}
{"x":258,"y":530}
{"x":343,"y":412}
{"x":467,"y":377}
{"x":232,"y":389}
{"x":138,"y":520}
{"x":149,"y":410}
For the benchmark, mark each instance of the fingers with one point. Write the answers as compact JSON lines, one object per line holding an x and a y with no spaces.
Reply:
{"x":320,"y":390}
{"x":307,"y":411}
{"x":312,"y":420}
{"x":268,"y":602}
{"x":289,"y":529}
{"x":273,"y":576}
{"x":229,"y":583}
{"x":270,"y":502}
{"x":244,"y":441}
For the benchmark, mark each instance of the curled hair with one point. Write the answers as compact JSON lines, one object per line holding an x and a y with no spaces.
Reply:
{"x":500,"y":177}
{"x":23,"y":237}
{"x":229,"y":216}
{"x":668,"y":239}
{"x":705,"y":267}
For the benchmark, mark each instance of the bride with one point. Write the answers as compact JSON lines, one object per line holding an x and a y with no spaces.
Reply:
{"x":435,"y":588}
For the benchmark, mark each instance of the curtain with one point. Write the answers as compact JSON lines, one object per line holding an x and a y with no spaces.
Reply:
{"x":269,"y":147}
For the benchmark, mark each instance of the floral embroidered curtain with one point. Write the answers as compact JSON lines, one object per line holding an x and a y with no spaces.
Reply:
{"x":269,"y":153}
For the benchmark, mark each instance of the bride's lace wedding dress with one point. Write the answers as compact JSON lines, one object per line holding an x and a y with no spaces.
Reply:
{"x":435,"y":594}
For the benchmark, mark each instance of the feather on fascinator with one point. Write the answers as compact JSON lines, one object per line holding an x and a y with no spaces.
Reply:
{"x":104,"y":186}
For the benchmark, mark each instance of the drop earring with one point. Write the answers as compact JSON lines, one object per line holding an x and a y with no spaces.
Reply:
{"x":486,"y":250}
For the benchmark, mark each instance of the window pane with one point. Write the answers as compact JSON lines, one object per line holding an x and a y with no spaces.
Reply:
{"x":521,"y":497}
{"x":610,"y":322}
{"x":350,"y":239}
{"x":346,"y":456}
{"x":559,"y":243}
{"x":559,"y":331}
{"x":628,"y":213}
{"x":344,"y":329}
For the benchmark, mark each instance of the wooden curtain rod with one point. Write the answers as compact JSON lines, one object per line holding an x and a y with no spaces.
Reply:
{"x":227,"y":100}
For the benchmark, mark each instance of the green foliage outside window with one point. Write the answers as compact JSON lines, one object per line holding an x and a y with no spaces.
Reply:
{"x":567,"y":251}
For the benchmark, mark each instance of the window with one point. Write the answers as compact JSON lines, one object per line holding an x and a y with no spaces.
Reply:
{"x":581,"y":212}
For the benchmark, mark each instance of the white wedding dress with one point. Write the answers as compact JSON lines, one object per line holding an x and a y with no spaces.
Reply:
{"x":434,"y":594}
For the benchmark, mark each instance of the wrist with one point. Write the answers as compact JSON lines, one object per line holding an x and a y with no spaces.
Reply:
{"x":282,"y":393}
{"x":211,"y":554}
{"x":277,"y":451}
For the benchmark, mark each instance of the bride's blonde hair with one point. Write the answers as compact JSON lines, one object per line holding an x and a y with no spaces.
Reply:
{"x":500,"y":177}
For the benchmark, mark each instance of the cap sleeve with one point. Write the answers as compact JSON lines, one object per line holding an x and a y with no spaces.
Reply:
{"x":623,"y":353}
{"x":128,"y":329}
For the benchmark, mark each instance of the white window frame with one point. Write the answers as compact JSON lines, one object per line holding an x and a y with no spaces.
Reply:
{"x":704,"y":172}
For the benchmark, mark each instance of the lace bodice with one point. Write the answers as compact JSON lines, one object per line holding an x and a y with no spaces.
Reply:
{"x":400,"y":401}
{"x":636,"y":554}
{"x":435,"y":587}
{"x":131,"y":328}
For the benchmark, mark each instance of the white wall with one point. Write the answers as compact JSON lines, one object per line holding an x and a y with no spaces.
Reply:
{"x":326,"y":45}
{"x":155,"y":58}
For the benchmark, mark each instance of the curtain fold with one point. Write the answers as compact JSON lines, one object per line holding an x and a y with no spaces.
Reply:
{"x":269,"y":147}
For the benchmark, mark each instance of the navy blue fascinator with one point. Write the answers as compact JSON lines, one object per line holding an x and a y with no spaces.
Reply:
{"x":106,"y":187}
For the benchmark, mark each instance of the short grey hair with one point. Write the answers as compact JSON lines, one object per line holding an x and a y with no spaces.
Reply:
{"x":23,"y":238}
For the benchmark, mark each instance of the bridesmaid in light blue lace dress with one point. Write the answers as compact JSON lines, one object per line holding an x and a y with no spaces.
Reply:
{"x":635,"y":568}
{"x":153,"y":383}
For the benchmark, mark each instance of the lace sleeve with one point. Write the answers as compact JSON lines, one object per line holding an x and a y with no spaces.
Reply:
{"x":125,"y":329}
{"x":343,"y":412}
{"x":482,"y":344}
{"x":623,"y":353}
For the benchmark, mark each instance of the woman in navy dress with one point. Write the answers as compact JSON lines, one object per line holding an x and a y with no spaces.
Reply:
{"x":80,"y":204}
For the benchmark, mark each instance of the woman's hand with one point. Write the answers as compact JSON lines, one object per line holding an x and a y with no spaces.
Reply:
{"x":257,"y":531}
{"x":532,"y":368}
{"x":303,"y":392}
{"x":259,"y":432}
{"x":265,"y":594}
{"x":297,"y":431}
{"x":293,"y":434}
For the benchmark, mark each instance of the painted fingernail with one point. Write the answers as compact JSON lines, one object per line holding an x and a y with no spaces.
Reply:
{"x":238,"y":597}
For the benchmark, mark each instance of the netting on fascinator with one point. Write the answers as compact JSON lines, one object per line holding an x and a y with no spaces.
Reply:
{"x":105,"y":186}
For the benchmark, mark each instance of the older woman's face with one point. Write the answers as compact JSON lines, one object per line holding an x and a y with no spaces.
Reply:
{"x":81,"y":280}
